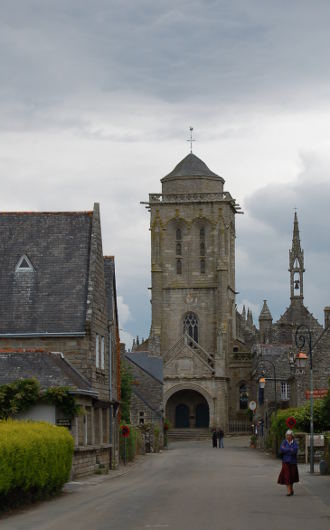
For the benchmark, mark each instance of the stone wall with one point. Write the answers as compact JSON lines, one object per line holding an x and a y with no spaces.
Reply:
{"x":88,"y":460}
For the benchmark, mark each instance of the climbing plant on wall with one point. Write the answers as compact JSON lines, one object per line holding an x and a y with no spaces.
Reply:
{"x":20,"y":395}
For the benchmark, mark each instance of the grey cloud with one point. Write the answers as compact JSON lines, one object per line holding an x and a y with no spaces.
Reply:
{"x":176,"y":51}
{"x":265,"y":236}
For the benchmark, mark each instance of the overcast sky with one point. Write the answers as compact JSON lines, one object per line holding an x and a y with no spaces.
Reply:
{"x":96,"y":100}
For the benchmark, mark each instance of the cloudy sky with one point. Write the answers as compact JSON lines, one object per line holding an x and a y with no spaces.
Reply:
{"x":96,"y":100}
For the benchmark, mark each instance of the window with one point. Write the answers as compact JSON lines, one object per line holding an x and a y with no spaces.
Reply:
{"x":190,"y":326}
{"x":141,"y":418}
{"x":24,"y":265}
{"x":243,"y":397}
{"x":178,"y":250}
{"x":97,"y":351}
{"x":285,"y":391}
{"x":202,"y":250}
{"x":102,"y":353}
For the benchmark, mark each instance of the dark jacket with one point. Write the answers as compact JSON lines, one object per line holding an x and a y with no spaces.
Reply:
{"x":289,"y":451}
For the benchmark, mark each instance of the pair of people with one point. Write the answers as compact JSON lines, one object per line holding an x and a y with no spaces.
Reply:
{"x":217,"y":434}
{"x":289,"y":472}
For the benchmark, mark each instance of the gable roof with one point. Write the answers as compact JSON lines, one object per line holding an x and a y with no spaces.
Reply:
{"x":49,"y":368}
{"x":153,"y":366}
{"x":50,"y":299}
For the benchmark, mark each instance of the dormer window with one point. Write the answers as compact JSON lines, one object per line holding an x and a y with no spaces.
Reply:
{"x":24,"y":265}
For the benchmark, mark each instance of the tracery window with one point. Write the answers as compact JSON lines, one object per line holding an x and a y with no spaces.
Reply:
{"x":243,"y":397}
{"x":190,"y":326}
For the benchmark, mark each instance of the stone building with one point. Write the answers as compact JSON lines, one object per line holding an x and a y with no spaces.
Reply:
{"x":275,"y":345}
{"x":147,"y":388}
{"x":194,"y":328}
{"x":57,"y":294}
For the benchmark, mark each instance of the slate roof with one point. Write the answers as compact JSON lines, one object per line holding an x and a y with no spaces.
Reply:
{"x":191,"y":166}
{"x":148,"y":363}
{"x":52,"y":298}
{"x":109,"y":276}
{"x":50,"y":369}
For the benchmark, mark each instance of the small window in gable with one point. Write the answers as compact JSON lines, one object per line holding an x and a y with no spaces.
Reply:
{"x":24,"y":265}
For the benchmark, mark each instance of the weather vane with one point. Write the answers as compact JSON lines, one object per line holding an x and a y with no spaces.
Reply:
{"x":191,"y":139}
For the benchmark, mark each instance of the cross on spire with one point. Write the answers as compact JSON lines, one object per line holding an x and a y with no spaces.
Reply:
{"x":191,"y":139}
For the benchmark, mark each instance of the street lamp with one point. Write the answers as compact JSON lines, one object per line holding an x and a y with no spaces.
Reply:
{"x":303,"y":335}
{"x":262,"y":379}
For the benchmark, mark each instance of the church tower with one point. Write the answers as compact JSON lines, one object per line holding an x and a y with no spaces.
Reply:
{"x":296,"y":265}
{"x":192,"y":225}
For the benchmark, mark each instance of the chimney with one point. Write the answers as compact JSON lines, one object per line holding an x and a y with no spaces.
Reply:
{"x":327,"y":316}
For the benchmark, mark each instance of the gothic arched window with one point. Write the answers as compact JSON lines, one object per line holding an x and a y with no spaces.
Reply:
{"x":190,"y":326}
{"x":202,"y":250}
{"x":243,"y":397}
{"x":178,"y":250}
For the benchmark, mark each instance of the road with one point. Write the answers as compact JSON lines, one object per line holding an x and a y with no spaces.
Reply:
{"x":189,"y":487}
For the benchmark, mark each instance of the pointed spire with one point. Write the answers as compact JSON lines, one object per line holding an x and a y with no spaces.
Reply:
{"x":244,"y":313}
{"x":249,"y":318}
{"x":296,"y":263}
{"x":265,"y":314}
{"x":265,"y":324}
{"x":295,"y":236}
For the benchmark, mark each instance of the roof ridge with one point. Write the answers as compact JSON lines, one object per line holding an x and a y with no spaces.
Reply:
{"x":57,"y":212}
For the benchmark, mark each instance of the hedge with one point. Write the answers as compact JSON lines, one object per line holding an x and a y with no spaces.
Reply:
{"x":35,"y":461}
{"x":302,"y":417}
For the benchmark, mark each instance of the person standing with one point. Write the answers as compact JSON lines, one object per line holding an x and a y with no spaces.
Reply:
{"x":221,"y":435}
{"x":214,"y":438}
{"x":289,"y":472}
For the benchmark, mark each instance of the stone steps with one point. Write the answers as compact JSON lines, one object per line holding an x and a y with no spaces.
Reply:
{"x":189,"y":434}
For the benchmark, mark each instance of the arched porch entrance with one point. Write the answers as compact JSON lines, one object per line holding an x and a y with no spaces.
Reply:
{"x":188,"y":409}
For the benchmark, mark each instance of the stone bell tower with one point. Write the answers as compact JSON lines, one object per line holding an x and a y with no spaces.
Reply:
{"x":192,"y":225}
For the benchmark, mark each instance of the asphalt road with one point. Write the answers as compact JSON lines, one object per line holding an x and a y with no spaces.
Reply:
{"x":189,"y":487}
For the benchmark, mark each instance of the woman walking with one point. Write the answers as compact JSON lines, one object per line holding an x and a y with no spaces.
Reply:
{"x":289,"y":472}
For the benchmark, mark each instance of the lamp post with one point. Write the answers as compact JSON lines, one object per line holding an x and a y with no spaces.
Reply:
{"x":303,"y":336}
{"x":262,"y":383}
{"x":262,"y":380}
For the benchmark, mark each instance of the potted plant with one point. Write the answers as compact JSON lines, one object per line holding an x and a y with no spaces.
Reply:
{"x":253,"y":441}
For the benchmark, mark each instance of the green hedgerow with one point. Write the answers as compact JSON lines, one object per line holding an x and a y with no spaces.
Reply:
{"x":302,"y":417}
{"x":35,"y":460}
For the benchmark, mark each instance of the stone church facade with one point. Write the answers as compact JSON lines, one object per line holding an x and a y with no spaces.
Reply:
{"x":194,"y":329}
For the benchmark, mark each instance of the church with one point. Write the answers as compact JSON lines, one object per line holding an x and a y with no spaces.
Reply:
{"x":206,"y":365}
{"x":210,"y":351}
